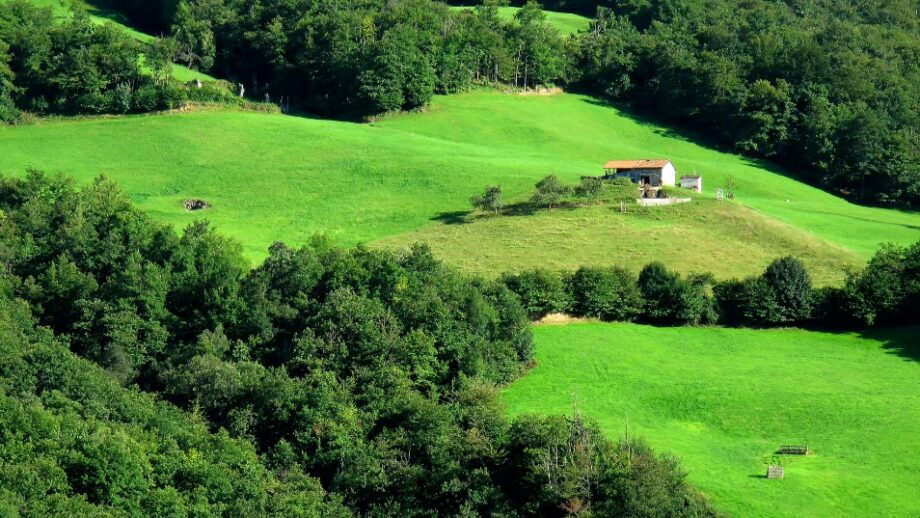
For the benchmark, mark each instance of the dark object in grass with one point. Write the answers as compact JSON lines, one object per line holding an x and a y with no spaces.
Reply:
{"x":792,"y":450}
{"x":196,"y":204}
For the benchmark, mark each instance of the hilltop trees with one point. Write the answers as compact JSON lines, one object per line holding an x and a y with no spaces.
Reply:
{"x":830,"y":90}
{"x":345,"y":57}
{"x":75,"y":66}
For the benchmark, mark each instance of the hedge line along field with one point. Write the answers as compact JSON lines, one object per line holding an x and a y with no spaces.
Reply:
{"x":273,"y":177}
{"x":724,"y":400}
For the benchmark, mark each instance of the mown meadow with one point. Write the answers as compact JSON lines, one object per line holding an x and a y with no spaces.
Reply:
{"x":407,"y":178}
{"x":724,"y":400}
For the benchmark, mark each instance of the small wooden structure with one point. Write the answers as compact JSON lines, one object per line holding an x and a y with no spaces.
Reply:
{"x":692,"y":182}
{"x":776,"y":472}
{"x":793,"y":450}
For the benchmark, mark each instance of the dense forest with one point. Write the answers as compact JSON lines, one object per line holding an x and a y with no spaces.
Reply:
{"x":155,"y":373}
{"x":830,"y":88}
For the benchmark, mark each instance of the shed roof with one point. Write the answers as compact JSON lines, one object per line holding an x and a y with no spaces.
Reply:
{"x":636,"y":164}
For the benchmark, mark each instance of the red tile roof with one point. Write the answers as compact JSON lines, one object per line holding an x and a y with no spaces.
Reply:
{"x":636,"y":164}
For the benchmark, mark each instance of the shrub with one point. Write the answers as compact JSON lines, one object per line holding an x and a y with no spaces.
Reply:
{"x":878,"y":292}
{"x":146,"y":98}
{"x":605,"y":293}
{"x":121,"y":98}
{"x":490,"y":200}
{"x":829,"y":307}
{"x":541,"y":291}
{"x":590,"y":188}
{"x":791,"y":287}
{"x":549,"y":192}
{"x":729,"y":296}
{"x":675,"y":301}
{"x":758,"y":303}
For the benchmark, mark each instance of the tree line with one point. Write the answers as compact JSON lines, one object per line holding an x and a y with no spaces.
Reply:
{"x":885,"y":292}
{"x":150,"y":372}
{"x":829,"y":88}
{"x":74,"y":66}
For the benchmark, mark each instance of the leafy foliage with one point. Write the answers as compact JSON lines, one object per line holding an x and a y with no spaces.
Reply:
{"x":540,"y":291}
{"x":490,"y":200}
{"x":605,"y":293}
{"x":829,"y":88}
{"x":323,"y":382}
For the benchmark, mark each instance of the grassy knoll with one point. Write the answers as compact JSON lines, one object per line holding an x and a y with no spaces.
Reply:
{"x":579,"y":133}
{"x":723,"y":400}
{"x":274,"y":177}
{"x":706,"y":236}
{"x":565,"y":23}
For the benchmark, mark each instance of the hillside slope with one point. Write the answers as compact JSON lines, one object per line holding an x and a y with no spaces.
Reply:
{"x":723,"y":400}
{"x":271,"y":177}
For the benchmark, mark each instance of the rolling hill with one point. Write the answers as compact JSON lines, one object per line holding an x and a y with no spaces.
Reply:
{"x":724,"y":400}
{"x":400,"y":180}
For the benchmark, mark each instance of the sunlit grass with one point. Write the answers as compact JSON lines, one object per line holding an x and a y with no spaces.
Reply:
{"x":724,"y":400}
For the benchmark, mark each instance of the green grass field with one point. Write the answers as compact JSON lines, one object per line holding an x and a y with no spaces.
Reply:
{"x":723,"y":400}
{"x":272,"y":177}
{"x":398,"y":181}
{"x":565,"y":23}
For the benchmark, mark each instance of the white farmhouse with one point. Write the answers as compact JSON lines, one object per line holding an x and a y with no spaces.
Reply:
{"x":654,"y":173}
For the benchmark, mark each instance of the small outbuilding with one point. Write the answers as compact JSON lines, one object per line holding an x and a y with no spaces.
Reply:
{"x":655,"y":173}
{"x":692,"y":182}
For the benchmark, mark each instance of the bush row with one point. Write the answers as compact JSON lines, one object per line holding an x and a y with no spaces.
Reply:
{"x":886,"y":291}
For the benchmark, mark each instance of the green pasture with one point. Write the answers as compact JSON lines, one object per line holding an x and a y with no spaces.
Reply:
{"x":565,"y":23}
{"x":724,"y":400}
{"x":273,"y":177}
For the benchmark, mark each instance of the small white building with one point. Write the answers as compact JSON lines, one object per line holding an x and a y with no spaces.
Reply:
{"x":655,"y":173}
{"x":692,"y":182}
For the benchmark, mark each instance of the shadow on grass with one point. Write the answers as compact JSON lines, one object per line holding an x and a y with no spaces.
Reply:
{"x":870,"y":220}
{"x":680,"y":131}
{"x":903,"y":341}
{"x":460,"y":217}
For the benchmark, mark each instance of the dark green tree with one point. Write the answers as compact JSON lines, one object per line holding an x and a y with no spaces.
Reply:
{"x":490,"y":200}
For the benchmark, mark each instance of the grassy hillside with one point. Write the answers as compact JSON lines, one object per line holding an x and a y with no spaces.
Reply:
{"x":272,"y":177}
{"x":565,"y":23}
{"x":723,"y":400}
{"x":706,"y":236}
